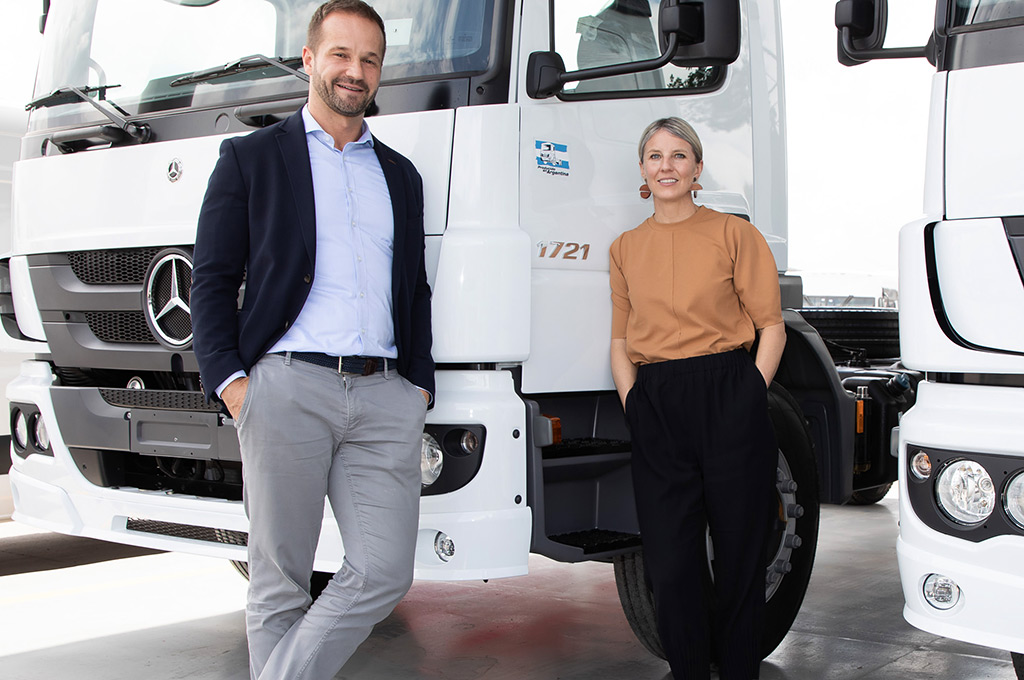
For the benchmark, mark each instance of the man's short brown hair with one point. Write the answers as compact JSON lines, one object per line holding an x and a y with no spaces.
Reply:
{"x":357,"y":7}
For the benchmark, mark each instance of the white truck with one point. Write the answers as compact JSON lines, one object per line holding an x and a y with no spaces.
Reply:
{"x":523,"y":118}
{"x":961,"y":447}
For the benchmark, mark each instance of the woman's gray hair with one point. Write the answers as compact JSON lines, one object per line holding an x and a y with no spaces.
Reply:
{"x":676,"y":127}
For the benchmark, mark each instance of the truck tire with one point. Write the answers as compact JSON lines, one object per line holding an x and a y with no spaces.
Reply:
{"x":317,"y":581}
{"x":1018,"y":664}
{"x":791,"y":551}
{"x":869,"y":496}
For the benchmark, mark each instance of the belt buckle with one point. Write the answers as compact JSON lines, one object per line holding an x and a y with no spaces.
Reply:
{"x":369,"y":366}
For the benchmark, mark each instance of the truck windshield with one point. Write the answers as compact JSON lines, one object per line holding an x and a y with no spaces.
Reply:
{"x":144,"y":45}
{"x":973,"y":12}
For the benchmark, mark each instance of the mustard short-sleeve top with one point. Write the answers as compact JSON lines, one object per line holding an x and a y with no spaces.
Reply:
{"x":691,"y":288}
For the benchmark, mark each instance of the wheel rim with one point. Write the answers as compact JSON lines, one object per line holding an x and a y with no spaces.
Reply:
{"x":783,"y":539}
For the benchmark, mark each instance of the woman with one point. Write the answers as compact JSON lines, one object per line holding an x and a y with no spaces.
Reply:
{"x":692,"y":289}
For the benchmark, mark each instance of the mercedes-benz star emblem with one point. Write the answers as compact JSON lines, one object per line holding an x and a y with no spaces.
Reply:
{"x":174,"y":170}
{"x":166,"y":298}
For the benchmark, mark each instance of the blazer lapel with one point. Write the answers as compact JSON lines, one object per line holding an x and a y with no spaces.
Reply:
{"x":291,"y":139}
{"x":396,"y":187}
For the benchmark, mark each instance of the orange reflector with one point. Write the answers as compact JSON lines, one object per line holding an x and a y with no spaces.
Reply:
{"x":556,"y":428}
{"x":860,"y":416}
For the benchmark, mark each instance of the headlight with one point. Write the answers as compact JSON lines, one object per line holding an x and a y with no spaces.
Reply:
{"x":1013,"y":499}
{"x":39,"y":433}
{"x":964,"y":492}
{"x":921,"y":465}
{"x":431,"y":460}
{"x":20,"y":430}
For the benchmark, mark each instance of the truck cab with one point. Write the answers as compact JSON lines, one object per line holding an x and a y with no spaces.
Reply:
{"x":961,"y":271}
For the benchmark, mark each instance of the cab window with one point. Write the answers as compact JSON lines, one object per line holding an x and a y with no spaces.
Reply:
{"x":590,"y":33}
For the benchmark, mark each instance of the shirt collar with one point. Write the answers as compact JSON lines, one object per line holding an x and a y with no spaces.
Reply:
{"x":313,"y":128}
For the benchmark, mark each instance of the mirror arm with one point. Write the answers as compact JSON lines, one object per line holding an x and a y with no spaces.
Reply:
{"x":547,"y":77}
{"x":622,"y":69}
{"x":883,"y":53}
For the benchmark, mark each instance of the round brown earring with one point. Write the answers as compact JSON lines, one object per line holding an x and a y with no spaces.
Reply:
{"x":645,"y":191}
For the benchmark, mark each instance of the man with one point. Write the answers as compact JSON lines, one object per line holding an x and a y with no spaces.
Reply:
{"x":326,"y":367}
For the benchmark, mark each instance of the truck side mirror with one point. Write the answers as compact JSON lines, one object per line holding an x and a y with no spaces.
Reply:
{"x":708,"y":32}
{"x":692,"y":33}
{"x":862,"y":25}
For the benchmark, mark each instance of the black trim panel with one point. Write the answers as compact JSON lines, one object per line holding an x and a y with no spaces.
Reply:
{"x":982,"y":45}
{"x":985,"y":379}
{"x":925,"y":505}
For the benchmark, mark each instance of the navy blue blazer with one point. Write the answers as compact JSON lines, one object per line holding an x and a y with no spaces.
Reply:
{"x":258,"y":221}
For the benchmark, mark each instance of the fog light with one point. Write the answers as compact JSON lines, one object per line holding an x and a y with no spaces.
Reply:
{"x":41,"y":436}
{"x":941,"y":591}
{"x":20,"y":430}
{"x":469,"y":442}
{"x":965,"y":492}
{"x":431,"y":460}
{"x":136,"y":383}
{"x":444,"y":546}
{"x":1013,"y":499}
{"x":921,"y":465}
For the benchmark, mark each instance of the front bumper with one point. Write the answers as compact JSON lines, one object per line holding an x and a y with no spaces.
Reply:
{"x":487,"y":519}
{"x":963,"y":418}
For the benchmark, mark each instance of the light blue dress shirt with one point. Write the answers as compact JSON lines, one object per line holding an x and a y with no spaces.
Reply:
{"x":348,"y":310}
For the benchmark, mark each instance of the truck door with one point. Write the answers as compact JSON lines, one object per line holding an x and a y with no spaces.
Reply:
{"x":579,"y":169}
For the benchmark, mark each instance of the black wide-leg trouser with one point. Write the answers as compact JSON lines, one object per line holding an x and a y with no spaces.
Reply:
{"x":704,"y":454}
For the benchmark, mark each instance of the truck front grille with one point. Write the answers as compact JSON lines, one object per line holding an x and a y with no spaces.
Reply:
{"x":193,"y":533}
{"x":120,"y":327}
{"x":100,"y":267}
{"x":167,"y":400}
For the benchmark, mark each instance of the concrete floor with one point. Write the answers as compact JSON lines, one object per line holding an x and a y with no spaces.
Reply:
{"x":78,"y":608}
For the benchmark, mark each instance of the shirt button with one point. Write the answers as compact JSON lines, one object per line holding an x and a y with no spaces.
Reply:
{"x":362,"y":295}
{"x":359,"y":258}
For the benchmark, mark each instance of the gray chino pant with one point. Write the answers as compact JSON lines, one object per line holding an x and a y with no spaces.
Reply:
{"x":307,"y":433}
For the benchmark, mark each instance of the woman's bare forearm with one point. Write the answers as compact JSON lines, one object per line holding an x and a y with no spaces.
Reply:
{"x":771,"y":342}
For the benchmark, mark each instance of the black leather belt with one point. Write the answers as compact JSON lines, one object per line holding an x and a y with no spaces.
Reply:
{"x":357,"y":365}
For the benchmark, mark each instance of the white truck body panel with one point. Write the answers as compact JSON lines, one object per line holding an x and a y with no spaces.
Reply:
{"x":984,"y":145}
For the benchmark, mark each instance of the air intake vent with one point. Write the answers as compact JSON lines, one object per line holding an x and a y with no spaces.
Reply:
{"x":120,"y":327}
{"x":192,"y":533}
{"x":167,"y":400}
{"x":98,"y":267}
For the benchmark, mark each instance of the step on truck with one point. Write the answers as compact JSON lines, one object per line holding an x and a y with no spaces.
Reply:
{"x":961,"y":447}
{"x":523,"y":118}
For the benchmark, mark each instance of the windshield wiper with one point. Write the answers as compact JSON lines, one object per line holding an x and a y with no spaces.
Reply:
{"x":116,"y":115}
{"x":250,"y":63}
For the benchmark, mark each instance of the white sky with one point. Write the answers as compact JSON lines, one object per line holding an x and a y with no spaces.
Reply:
{"x":856,"y":137}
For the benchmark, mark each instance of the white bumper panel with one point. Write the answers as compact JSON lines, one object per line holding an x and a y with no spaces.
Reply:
{"x":488,"y":519}
{"x":991,"y":607}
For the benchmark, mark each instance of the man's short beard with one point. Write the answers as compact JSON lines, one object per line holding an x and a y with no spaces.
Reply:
{"x":335,"y":103}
